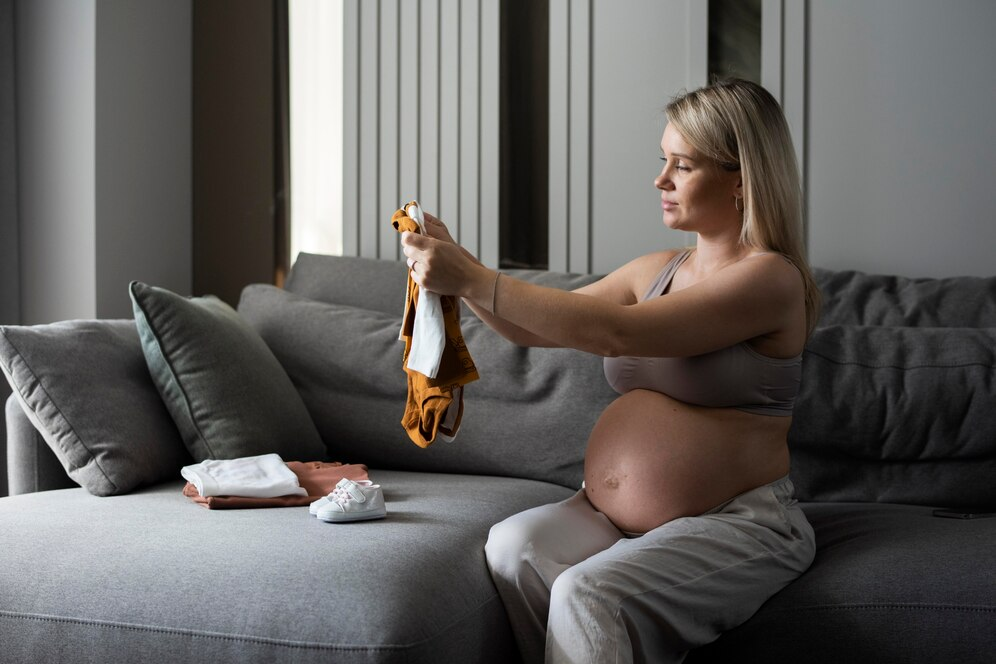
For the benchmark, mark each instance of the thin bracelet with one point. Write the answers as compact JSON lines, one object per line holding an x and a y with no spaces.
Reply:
{"x":494,"y":294}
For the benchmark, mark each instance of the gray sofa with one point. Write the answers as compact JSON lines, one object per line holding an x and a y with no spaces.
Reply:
{"x":897,"y":418}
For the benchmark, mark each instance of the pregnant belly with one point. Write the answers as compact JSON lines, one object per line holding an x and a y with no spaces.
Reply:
{"x":652,"y":459}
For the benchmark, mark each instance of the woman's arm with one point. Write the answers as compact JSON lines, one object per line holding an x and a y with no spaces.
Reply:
{"x":759,"y":296}
{"x":517,"y":335}
{"x":619,"y":286}
{"x":752,"y":298}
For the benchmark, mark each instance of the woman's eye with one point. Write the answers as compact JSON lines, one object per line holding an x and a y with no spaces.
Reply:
{"x":678,"y":166}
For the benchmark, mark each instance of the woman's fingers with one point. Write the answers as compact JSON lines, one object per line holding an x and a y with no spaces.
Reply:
{"x":434,"y":264}
{"x":415,"y":247}
{"x":436,"y":229}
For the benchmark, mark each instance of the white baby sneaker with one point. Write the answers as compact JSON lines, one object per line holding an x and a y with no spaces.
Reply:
{"x":325,"y":500}
{"x":355,"y":501}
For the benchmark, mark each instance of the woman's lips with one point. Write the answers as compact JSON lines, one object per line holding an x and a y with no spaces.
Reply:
{"x":668,"y":205}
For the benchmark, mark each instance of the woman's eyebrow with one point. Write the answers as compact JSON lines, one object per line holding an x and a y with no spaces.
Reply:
{"x":680,"y":155}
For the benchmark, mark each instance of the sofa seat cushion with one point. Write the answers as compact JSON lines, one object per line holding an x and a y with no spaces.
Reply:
{"x":151,"y":576}
{"x":890,"y":583}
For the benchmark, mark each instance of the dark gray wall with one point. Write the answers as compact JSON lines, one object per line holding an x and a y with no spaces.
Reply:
{"x":143,"y":150}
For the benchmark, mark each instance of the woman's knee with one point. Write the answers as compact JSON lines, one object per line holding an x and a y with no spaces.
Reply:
{"x":507,"y":542}
{"x":580,"y":588}
{"x":549,"y":538}
{"x":583,"y":619}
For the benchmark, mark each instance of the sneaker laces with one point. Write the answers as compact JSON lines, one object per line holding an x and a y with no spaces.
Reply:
{"x":341,"y":488}
{"x":346,"y":492}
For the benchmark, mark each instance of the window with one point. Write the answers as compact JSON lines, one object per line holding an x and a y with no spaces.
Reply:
{"x":315,"y":63}
{"x":735,"y":39}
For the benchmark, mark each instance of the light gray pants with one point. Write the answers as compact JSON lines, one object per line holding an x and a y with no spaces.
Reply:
{"x":577,"y":589}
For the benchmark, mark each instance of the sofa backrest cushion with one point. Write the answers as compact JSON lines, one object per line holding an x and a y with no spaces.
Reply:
{"x":892,"y":408}
{"x":365,"y":283}
{"x":379,"y":285}
{"x":897,"y":414}
{"x":528,"y":416}
{"x":857,"y":298}
{"x":898,"y":401}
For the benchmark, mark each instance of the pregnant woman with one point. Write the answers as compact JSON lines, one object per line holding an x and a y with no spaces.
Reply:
{"x":686,"y":522}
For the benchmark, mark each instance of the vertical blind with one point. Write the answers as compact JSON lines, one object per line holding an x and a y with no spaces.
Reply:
{"x":421,"y":120}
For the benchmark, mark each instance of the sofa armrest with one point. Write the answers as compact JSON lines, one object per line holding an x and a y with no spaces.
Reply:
{"x":3,"y":468}
{"x":4,"y":393}
{"x":31,"y":464}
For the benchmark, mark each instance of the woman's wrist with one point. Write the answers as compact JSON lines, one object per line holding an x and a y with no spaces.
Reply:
{"x":494,"y":294}
{"x":471,"y":256}
{"x":483,"y":288}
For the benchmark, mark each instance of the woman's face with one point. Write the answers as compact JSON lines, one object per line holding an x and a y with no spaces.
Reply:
{"x":696,"y":194}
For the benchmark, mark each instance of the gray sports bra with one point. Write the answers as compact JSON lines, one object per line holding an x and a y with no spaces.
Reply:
{"x":733,"y":377}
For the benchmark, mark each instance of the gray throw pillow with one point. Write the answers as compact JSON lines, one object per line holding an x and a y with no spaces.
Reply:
{"x":226,"y":391}
{"x":86,"y":388}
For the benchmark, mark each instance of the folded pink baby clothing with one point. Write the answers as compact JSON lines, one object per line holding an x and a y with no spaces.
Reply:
{"x":319,"y":478}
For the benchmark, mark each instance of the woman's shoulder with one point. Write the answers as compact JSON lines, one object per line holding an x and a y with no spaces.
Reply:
{"x":773,"y":263}
{"x":772,"y":270}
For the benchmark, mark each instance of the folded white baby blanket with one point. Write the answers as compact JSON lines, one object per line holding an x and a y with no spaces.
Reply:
{"x":264,"y":476}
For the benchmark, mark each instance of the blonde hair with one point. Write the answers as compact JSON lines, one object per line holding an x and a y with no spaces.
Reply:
{"x":740,"y":126}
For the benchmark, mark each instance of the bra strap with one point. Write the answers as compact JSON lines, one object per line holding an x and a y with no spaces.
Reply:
{"x":663,"y":280}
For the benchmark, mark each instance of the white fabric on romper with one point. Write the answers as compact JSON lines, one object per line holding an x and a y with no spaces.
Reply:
{"x":264,"y":476}
{"x":577,"y":589}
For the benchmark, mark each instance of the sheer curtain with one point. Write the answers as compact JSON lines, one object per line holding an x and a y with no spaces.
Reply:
{"x":315,"y":96}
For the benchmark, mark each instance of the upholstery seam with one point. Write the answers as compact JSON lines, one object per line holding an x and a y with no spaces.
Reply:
{"x":193,"y":634}
{"x":891,"y":605}
{"x":240,"y":638}
{"x":844,"y":363}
